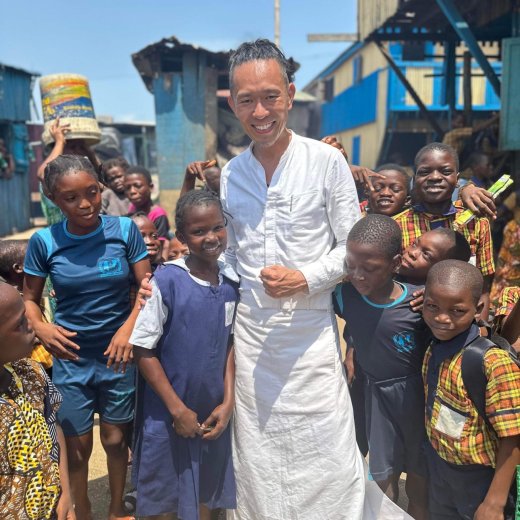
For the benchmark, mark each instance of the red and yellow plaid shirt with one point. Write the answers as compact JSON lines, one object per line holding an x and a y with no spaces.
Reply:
{"x":507,"y":300}
{"x":455,"y":429}
{"x":414,"y":223}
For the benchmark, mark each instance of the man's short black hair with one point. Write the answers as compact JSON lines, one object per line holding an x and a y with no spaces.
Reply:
{"x":11,"y":252}
{"x":261,"y":49}
{"x":459,"y":249}
{"x":139,"y":170}
{"x":380,"y":231}
{"x":457,"y":274}
{"x":437,"y":147}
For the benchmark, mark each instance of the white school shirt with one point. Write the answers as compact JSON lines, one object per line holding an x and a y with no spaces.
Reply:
{"x":300,"y":221}
{"x":148,"y":328}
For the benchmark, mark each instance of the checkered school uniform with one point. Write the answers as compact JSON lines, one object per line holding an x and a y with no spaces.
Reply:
{"x":477,"y":444}
{"x":507,"y":300}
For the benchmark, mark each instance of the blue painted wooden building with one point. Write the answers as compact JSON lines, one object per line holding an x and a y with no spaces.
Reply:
{"x":368,"y":107}
{"x":15,"y":98}
{"x":184,"y":80}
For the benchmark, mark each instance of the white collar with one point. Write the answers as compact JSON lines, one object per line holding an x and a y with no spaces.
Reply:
{"x":224,"y":268}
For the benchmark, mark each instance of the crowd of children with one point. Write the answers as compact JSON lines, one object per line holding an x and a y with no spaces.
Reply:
{"x":415,"y":294}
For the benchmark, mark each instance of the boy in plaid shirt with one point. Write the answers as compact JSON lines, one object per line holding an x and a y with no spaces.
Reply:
{"x":471,"y":465}
{"x":436,"y":174}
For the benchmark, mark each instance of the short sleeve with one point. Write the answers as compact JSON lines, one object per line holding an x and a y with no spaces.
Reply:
{"x":148,"y":327}
{"x":337,"y":300}
{"x":105,"y":201}
{"x":136,"y":248}
{"x":502,"y":393}
{"x":484,"y":252}
{"x":38,"y":252}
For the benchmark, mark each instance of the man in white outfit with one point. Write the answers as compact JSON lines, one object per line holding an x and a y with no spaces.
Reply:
{"x":291,"y":203}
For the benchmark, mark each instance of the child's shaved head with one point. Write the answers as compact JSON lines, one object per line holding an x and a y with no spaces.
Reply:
{"x":457,"y":274}
{"x":380,"y":231}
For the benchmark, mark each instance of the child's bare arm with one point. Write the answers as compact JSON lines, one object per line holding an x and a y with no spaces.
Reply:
{"x":220,"y":416}
{"x":184,"y":420}
{"x":508,"y":457}
{"x":119,"y":351}
{"x":65,"y":510}
{"x":56,"y":339}
{"x":349,"y":364}
{"x":58,"y":132}
{"x":195,"y":170}
{"x":485,"y":297}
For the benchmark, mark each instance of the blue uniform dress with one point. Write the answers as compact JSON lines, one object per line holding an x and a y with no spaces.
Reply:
{"x":171,"y":473}
{"x":91,"y":276}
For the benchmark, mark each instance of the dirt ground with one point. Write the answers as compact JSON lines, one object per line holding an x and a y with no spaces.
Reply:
{"x":98,"y":482}
{"x":98,"y":479}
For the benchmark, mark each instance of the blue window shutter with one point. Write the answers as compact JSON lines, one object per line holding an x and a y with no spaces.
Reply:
{"x":356,"y":149}
{"x":19,"y":146}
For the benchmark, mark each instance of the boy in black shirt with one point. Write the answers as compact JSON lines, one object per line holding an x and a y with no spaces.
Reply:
{"x":388,"y":341}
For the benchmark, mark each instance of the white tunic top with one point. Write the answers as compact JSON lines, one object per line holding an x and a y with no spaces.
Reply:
{"x":300,"y":221}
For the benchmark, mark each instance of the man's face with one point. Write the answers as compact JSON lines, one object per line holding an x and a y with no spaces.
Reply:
{"x":261,"y":100}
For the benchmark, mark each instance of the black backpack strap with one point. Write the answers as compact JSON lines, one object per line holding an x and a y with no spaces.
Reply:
{"x":474,"y":375}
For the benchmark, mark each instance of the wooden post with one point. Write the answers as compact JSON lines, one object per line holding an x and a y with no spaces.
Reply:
{"x":277,"y":22}
{"x":466,"y":88}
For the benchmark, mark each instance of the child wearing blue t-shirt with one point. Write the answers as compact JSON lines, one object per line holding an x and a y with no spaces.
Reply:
{"x":388,"y":341}
{"x":182,"y":459}
{"x":89,"y":259}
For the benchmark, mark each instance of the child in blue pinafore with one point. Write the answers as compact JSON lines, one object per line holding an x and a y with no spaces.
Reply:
{"x":182,"y":344}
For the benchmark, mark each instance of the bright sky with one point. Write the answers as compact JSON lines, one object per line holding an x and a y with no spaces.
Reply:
{"x":97,"y":37}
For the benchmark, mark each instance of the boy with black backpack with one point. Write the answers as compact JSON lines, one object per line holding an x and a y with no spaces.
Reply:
{"x":472,"y":455}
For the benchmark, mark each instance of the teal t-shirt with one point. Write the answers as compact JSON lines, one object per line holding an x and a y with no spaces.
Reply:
{"x":90,"y":275}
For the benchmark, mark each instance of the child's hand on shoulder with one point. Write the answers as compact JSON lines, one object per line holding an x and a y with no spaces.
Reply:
{"x":418,"y":299}
{"x":57,"y":341}
{"x":186,"y":424}
{"x":217,"y":422}
{"x":145,"y":290}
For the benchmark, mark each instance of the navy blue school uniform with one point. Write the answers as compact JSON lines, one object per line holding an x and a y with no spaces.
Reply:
{"x":389,"y":343}
{"x":172,"y":473}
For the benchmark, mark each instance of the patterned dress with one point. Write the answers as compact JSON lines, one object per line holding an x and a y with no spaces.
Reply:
{"x":29,"y":451}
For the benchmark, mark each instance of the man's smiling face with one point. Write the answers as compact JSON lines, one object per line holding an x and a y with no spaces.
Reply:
{"x":261,"y":100}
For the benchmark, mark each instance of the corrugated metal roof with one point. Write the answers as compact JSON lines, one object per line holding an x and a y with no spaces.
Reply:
{"x":159,"y":57}
{"x":423,"y":19}
{"x":149,"y":61}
